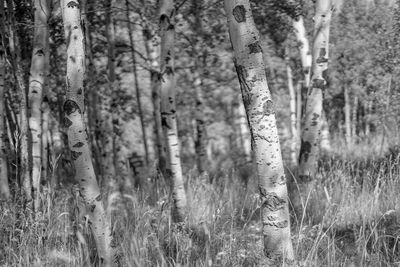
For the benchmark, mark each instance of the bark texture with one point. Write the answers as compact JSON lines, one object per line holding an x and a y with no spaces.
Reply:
{"x":293,"y":117}
{"x":168,"y":109}
{"x":260,"y":111}
{"x":312,"y":123}
{"x":304,"y":47}
{"x":37,"y":79}
{"x":77,"y":136}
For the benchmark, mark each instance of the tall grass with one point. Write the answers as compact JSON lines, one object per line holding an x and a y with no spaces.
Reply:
{"x":350,"y":218}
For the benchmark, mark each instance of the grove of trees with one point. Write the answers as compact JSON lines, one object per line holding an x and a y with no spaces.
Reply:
{"x":199,"y":132}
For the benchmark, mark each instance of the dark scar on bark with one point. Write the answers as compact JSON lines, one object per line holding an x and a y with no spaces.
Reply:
{"x":70,"y":107}
{"x":79,"y":144}
{"x":75,"y":154}
{"x":239,"y":13}
{"x":255,"y":48}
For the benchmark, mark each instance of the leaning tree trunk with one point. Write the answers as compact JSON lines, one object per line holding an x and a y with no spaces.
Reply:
{"x":168,"y":108}
{"x":37,"y":80}
{"x":4,"y":186}
{"x":76,"y":131}
{"x":250,"y":69}
{"x":312,"y":123}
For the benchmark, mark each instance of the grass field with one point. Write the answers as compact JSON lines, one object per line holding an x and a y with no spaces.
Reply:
{"x":350,"y":218}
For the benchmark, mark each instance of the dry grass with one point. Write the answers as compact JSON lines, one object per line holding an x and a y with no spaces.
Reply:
{"x":351,"y":218}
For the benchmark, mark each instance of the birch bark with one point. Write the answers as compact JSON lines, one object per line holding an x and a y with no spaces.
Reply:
{"x":250,"y":69}
{"x":168,"y":109}
{"x":76,"y":131}
{"x":312,"y":123}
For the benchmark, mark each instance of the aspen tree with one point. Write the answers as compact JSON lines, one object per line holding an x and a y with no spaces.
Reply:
{"x":4,"y":186}
{"x":168,"y":109}
{"x":260,"y":111}
{"x":76,"y":131}
{"x":293,"y":122}
{"x":310,"y":136}
{"x":304,"y":48}
{"x":37,"y":79}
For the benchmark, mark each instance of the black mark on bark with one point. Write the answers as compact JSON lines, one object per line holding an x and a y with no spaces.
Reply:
{"x":72,"y":4}
{"x":269,"y":107}
{"x":70,"y":107}
{"x":239,"y":13}
{"x":255,"y":48}
{"x":79,"y":144}
{"x":75,"y":154}
{"x":305,"y":149}
{"x":272,"y":201}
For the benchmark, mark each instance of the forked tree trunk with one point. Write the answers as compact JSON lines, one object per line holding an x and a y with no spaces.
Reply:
{"x":137,"y":89}
{"x":293,"y":124}
{"x":4,"y":186}
{"x":37,"y":79}
{"x":168,"y":108}
{"x":312,"y":124}
{"x":250,"y":69}
{"x":77,"y":137}
{"x":24,"y":172}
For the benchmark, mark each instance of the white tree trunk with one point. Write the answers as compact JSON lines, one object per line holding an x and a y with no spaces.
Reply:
{"x":347,"y":115}
{"x":250,"y":68}
{"x":312,"y":124}
{"x":304,"y":47}
{"x":37,"y":79}
{"x":293,"y":118}
{"x":168,"y":108}
{"x":77,"y":137}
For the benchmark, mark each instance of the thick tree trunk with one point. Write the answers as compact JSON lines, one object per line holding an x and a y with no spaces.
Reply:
{"x":4,"y":186}
{"x":37,"y":80}
{"x":347,"y":115}
{"x":24,"y":172}
{"x":304,"y":47}
{"x":250,"y":68}
{"x":293,"y":124}
{"x":77,"y":137}
{"x":312,"y":125}
{"x":138,"y":94}
{"x":168,"y":108}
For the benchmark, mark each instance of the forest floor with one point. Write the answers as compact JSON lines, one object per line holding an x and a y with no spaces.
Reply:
{"x":350,"y":218}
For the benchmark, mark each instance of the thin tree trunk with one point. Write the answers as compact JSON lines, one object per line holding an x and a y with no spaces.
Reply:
{"x":151,"y":49}
{"x":45,"y":138}
{"x":293,"y":126}
{"x":168,"y":108}
{"x":24,"y":172}
{"x":135,"y":73}
{"x":109,"y":126}
{"x":347,"y":115}
{"x":37,"y":80}
{"x":354,"y":118}
{"x":201,"y":133}
{"x":250,"y":68}
{"x":76,"y":131}
{"x":244,"y":140}
{"x":299,"y":109}
{"x":311,"y":132}
{"x":4,"y":186}
{"x":325,"y":143}
{"x":304,"y":47}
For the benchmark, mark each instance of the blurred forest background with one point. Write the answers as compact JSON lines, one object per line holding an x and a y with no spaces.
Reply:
{"x":349,"y":215}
